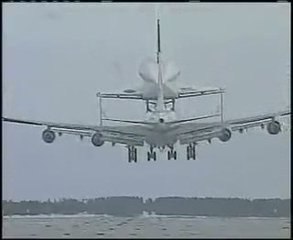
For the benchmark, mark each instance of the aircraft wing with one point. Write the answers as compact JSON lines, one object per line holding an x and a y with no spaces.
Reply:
{"x":129,"y":135}
{"x":194,"y":131}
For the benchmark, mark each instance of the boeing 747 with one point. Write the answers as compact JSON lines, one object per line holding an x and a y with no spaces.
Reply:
{"x":162,"y":130}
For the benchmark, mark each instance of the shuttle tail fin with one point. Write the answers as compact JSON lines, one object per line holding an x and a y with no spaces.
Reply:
{"x":160,"y":105}
{"x":158,"y":41}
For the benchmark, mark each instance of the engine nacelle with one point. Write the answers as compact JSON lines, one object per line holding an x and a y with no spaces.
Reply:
{"x":48,"y":136}
{"x":97,"y":139}
{"x":225,"y":135}
{"x":274,"y":127}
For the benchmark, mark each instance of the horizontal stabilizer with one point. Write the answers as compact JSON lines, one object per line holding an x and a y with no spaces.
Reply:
{"x":194,"y":119}
{"x":128,"y":121}
{"x":152,"y":123}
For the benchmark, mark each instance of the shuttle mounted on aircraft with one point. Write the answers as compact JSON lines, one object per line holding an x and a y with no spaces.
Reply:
{"x":160,"y":91}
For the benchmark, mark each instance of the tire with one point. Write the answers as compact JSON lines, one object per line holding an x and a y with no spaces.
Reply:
{"x":135,"y":155}
{"x":129,"y":156}
{"x":155,"y":156}
{"x":193,"y":153}
{"x":149,"y":157}
{"x":175,"y":155}
{"x":169,"y":155}
{"x":187,"y":153}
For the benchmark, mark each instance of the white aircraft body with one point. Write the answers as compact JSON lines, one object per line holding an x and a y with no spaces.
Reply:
{"x":161,"y":129}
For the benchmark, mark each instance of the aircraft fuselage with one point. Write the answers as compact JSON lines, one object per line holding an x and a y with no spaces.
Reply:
{"x":161,"y":134}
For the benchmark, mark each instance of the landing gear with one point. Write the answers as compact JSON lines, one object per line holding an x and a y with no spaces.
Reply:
{"x":190,"y":151}
{"x":172,"y":154}
{"x":151,"y":154}
{"x":132,"y":154}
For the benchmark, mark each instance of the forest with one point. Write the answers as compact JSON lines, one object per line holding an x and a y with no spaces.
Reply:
{"x":133,"y":206}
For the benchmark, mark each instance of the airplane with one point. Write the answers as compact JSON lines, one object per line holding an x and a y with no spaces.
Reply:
{"x":161,"y":130}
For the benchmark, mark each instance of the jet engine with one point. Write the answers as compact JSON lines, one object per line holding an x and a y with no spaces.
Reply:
{"x":48,"y":136}
{"x":274,"y":127}
{"x":225,"y":135}
{"x":97,"y":139}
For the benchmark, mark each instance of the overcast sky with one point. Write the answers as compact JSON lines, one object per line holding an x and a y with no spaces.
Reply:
{"x":57,"y":56}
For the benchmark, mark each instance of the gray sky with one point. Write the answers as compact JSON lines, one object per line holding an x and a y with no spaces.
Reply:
{"x":57,"y":56}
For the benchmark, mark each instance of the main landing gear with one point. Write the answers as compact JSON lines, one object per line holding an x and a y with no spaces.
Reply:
{"x":172,"y":154}
{"x":152,"y":154}
{"x":132,"y":154}
{"x":190,"y":151}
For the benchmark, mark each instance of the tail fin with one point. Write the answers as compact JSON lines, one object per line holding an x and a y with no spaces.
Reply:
{"x":159,"y":42}
{"x":160,"y":105}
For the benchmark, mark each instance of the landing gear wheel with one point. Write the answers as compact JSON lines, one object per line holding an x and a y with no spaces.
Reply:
{"x":193,"y":153}
{"x":135,"y":155}
{"x":175,"y":155}
{"x":151,"y":155}
{"x":129,"y":155}
{"x":172,"y":154}
{"x":132,"y":154}
{"x":188,"y":152}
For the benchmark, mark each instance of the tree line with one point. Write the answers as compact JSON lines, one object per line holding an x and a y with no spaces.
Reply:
{"x":133,"y":206}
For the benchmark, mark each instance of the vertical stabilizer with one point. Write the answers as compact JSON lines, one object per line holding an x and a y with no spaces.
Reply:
{"x":160,"y":104}
{"x":159,"y":41}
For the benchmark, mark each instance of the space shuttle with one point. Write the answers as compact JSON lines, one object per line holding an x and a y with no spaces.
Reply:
{"x":160,"y":77}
